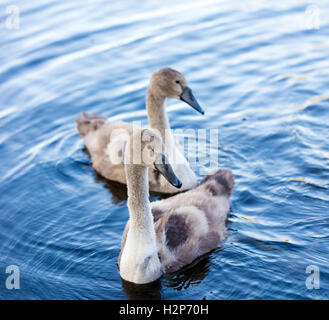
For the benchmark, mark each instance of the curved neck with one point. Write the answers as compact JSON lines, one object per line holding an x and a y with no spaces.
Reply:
{"x":139,"y":262}
{"x":141,"y":219}
{"x":155,"y":106}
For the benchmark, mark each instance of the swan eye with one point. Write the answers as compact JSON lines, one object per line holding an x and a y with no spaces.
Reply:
{"x":177,"y":81}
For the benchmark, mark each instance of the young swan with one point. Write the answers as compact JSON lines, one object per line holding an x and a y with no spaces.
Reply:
{"x":163,"y":236}
{"x":105,"y":140}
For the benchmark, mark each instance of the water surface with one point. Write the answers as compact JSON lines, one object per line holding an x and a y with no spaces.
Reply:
{"x":258,"y":68}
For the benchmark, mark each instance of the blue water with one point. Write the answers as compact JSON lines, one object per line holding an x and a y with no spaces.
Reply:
{"x":260,"y":69}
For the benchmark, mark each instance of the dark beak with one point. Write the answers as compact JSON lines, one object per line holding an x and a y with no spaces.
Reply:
{"x":162,"y":165}
{"x":188,"y":97}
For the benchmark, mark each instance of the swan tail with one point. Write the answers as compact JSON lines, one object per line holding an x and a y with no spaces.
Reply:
{"x":220,"y":182}
{"x":87,"y":123}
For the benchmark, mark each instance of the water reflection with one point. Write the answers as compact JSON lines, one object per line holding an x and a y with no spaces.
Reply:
{"x":192,"y":274}
{"x":116,"y":189}
{"x":150,"y":291}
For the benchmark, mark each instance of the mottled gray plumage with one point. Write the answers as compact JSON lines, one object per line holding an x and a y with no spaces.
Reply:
{"x":176,"y":231}
{"x":192,"y":223}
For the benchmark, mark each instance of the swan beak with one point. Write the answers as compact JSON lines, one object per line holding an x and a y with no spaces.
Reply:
{"x":162,"y":165}
{"x":188,"y":97}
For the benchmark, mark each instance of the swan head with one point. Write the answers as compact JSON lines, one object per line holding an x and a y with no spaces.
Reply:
{"x":167,"y":82}
{"x":146,"y":149}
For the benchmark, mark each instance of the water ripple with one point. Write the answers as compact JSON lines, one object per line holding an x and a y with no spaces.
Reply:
{"x":262,"y":78}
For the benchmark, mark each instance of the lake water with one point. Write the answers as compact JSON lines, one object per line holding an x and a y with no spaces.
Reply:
{"x":260,"y":69}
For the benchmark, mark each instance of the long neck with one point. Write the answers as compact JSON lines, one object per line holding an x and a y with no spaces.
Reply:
{"x":141,"y":219}
{"x":155,"y":105}
{"x":139,"y":262}
{"x":158,"y":119}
